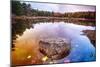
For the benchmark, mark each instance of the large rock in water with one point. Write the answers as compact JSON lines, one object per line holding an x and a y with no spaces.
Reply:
{"x":54,"y":48}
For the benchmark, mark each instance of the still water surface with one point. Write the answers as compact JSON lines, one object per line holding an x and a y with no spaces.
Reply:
{"x":81,"y":47}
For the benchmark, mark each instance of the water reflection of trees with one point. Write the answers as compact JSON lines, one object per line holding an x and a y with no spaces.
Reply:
{"x":25,"y":10}
{"x":18,"y":27}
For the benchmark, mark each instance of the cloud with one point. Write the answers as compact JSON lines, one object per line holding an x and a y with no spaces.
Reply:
{"x":61,"y":7}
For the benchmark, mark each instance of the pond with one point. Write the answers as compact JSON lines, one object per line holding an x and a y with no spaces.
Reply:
{"x":26,"y":42}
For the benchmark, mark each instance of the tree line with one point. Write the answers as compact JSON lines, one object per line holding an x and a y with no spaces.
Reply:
{"x":20,"y":9}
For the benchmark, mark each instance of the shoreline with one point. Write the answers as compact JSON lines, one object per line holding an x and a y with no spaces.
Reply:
{"x":91,"y":34}
{"x":37,"y":19}
{"x":48,"y":17}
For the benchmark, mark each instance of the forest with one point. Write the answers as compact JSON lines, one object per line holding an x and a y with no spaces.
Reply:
{"x":23,"y":9}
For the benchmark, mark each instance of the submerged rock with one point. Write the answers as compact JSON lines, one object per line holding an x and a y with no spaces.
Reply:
{"x":54,"y":48}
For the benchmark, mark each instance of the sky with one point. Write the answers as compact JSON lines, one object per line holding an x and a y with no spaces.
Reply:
{"x":62,"y":8}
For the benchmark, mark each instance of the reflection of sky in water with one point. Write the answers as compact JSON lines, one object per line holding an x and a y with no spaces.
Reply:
{"x":82,"y":49}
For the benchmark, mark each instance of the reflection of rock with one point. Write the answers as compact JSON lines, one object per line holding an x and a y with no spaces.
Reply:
{"x":91,"y":34}
{"x":54,"y":48}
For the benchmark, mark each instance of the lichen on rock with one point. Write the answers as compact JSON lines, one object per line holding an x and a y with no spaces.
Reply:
{"x":54,"y":48}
